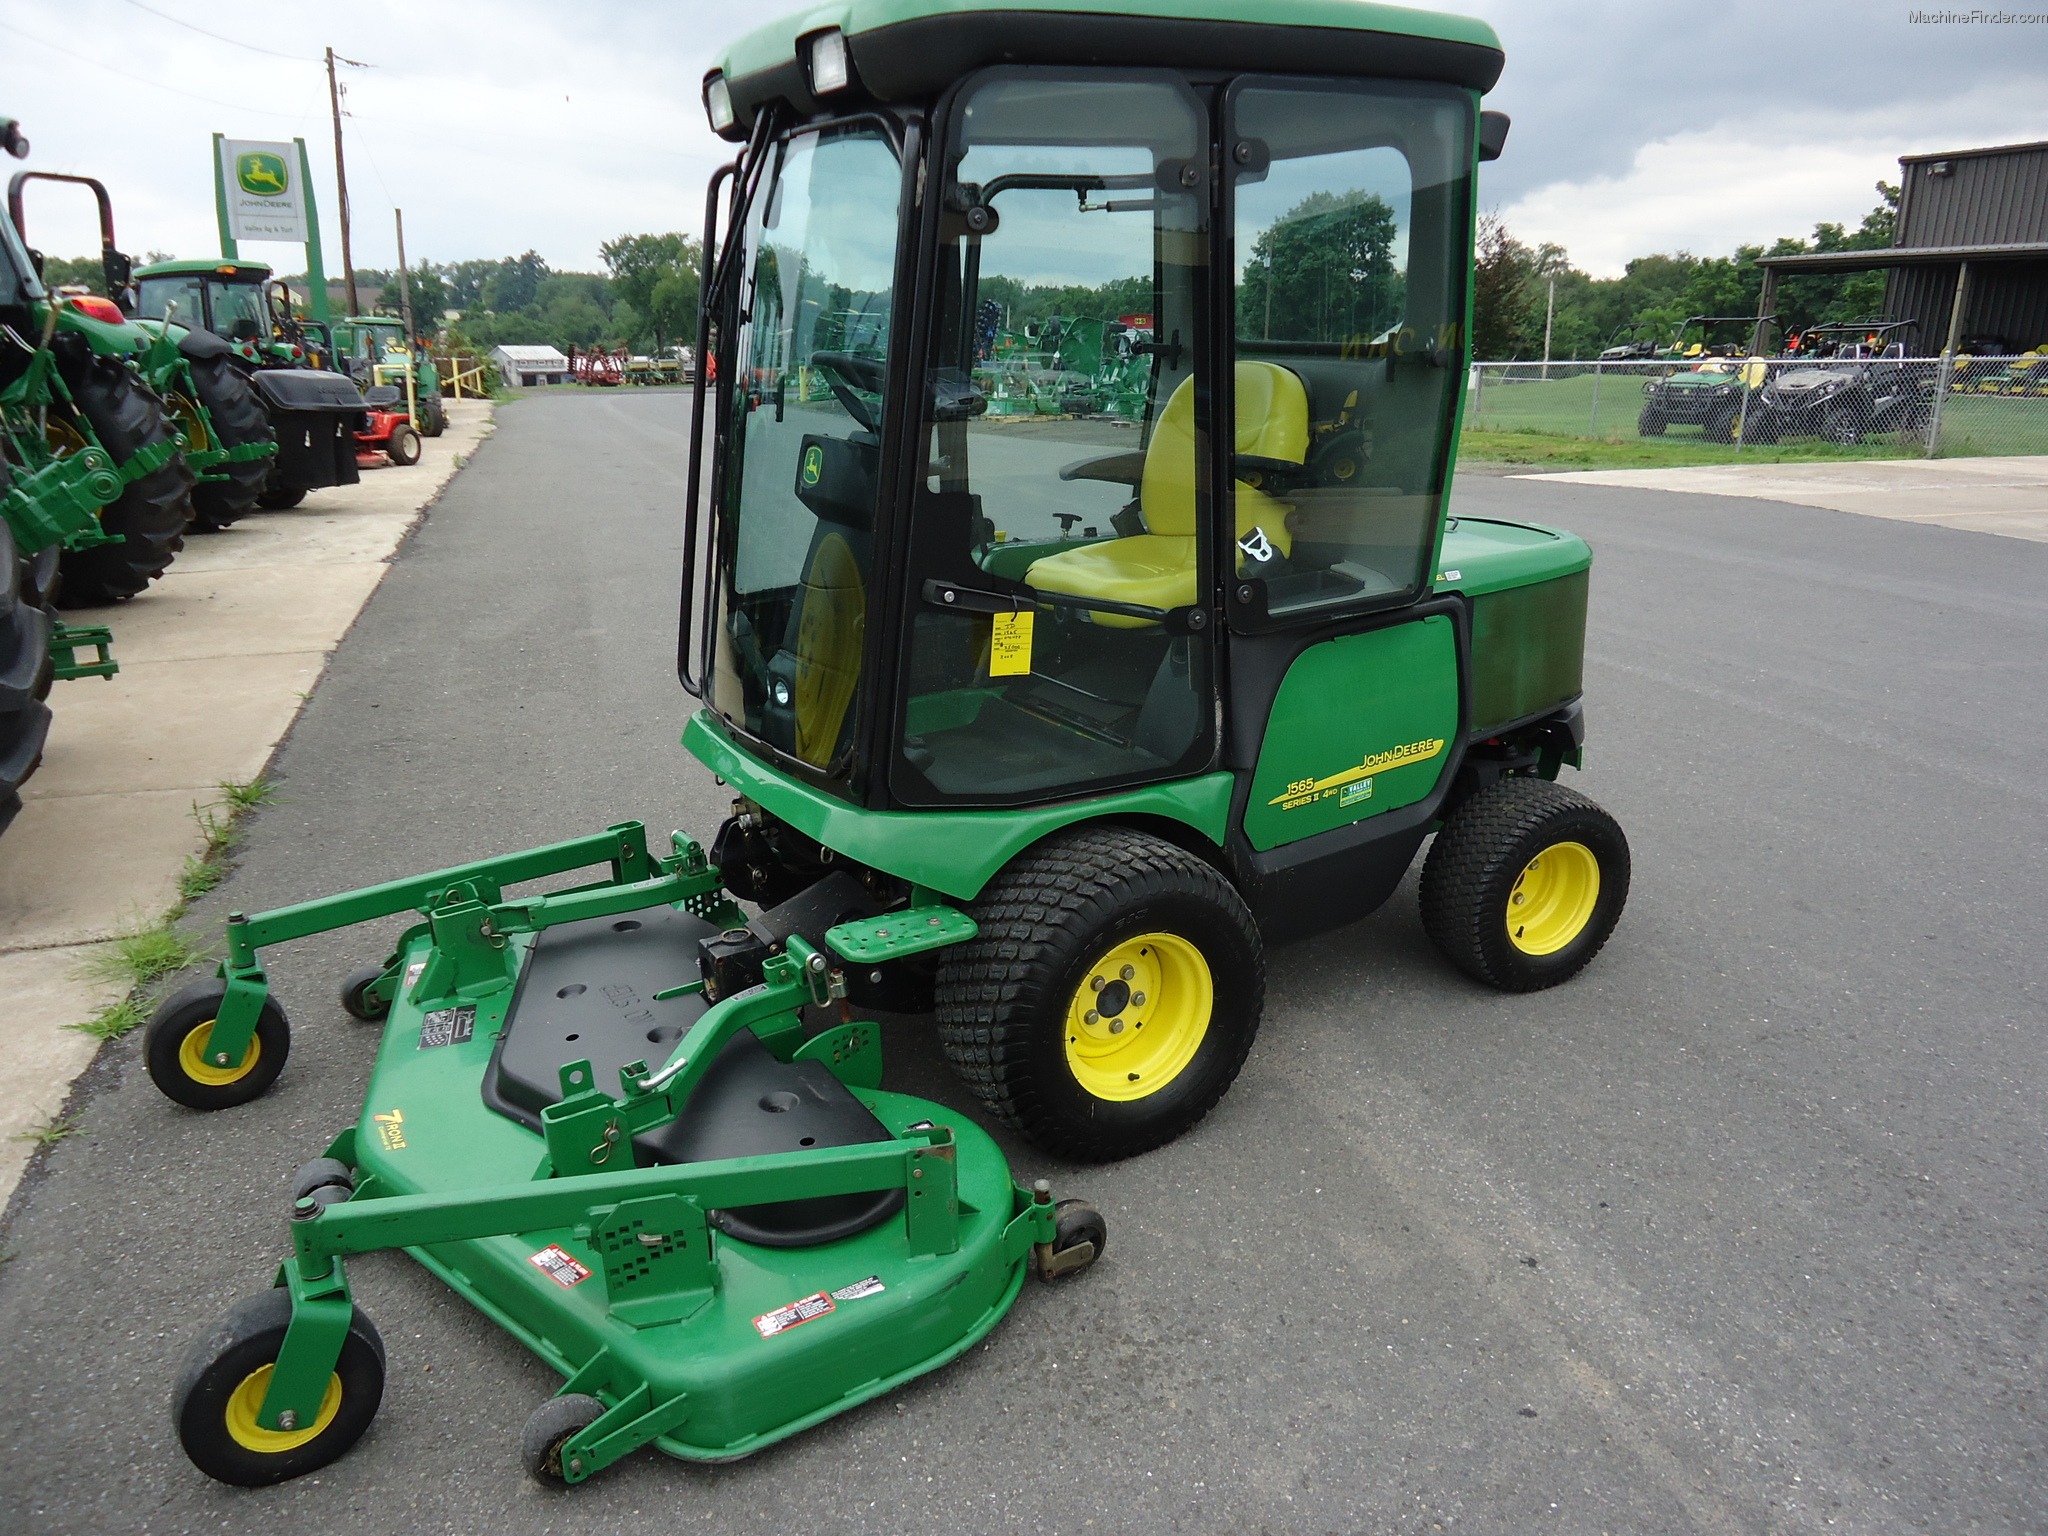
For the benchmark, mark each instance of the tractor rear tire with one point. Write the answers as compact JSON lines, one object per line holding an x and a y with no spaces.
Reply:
{"x":1074,"y":933}
{"x":221,"y":1384}
{"x":403,"y":445}
{"x":433,"y":418}
{"x":151,"y":515}
{"x":238,"y":419}
{"x":1524,"y":884}
{"x":25,"y":671}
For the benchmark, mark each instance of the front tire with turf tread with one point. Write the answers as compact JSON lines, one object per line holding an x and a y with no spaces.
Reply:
{"x":1484,"y":850}
{"x":212,"y":1408}
{"x":238,"y":419}
{"x":1002,"y":998}
{"x":549,"y":1428}
{"x":169,"y":1051}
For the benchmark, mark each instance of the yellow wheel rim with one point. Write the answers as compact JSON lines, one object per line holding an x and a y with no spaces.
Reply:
{"x":251,"y":1436}
{"x":191,"y":423}
{"x":1553,"y":898}
{"x":1139,"y":1016}
{"x":196,"y":1066}
{"x":63,"y":438}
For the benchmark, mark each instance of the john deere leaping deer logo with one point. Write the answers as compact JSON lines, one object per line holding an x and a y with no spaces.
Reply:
{"x":814,"y":464}
{"x":261,"y":174}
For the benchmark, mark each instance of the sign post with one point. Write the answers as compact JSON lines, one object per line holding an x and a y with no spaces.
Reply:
{"x":260,"y":194}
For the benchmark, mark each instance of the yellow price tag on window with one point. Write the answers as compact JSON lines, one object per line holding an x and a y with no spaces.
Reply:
{"x":1009,"y":646}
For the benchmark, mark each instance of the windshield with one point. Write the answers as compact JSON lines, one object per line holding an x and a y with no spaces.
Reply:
{"x":177,"y":296}
{"x":802,"y":444}
{"x":1062,"y":504}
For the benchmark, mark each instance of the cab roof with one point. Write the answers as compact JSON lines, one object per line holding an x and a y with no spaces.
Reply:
{"x":908,"y":50}
{"x":220,"y":266}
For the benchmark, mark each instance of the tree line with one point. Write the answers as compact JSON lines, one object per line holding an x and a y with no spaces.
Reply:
{"x":1656,"y":294}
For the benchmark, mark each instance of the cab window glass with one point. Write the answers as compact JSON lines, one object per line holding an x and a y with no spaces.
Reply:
{"x":1349,"y":242}
{"x":803,"y":442}
{"x":156,"y":297}
{"x":238,"y":311}
{"x":1061,"y":448}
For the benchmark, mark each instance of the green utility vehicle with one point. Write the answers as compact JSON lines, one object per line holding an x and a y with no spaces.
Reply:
{"x":225,"y":437}
{"x":1709,"y":393}
{"x":372,"y":350}
{"x":1065,"y":783}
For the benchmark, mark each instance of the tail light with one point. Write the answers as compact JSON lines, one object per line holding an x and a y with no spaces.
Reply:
{"x":97,"y":308}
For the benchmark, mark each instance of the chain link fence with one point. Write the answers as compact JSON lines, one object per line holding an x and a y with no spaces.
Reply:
{"x":1879,"y":407}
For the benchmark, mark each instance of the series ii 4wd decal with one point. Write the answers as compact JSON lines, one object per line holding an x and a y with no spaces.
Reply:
{"x":1355,"y":784}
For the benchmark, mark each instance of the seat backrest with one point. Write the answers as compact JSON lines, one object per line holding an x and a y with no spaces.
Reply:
{"x":1272,"y":423}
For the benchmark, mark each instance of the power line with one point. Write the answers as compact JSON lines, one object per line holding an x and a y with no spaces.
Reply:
{"x":217,"y":37}
{"x":142,"y":80}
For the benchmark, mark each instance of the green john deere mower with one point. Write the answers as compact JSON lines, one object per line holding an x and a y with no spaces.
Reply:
{"x":1050,"y":726}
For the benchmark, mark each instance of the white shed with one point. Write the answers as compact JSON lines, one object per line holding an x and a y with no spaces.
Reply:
{"x":531,"y":365}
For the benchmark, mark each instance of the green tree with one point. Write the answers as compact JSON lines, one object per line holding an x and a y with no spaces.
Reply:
{"x":1324,"y":271}
{"x":429,"y":298}
{"x":658,"y":276}
{"x":1501,"y":273}
{"x":514,"y":285}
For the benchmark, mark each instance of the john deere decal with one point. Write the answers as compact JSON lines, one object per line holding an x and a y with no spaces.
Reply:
{"x":814,"y":464}
{"x":1355,"y":784}
{"x":262,"y":174}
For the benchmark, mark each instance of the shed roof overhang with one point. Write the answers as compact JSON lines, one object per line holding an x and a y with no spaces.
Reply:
{"x":1900,"y":256}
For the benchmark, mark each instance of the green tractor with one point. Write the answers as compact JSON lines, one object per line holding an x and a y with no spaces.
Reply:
{"x":238,"y":310}
{"x":372,"y":350}
{"x":1720,"y":378}
{"x":225,"y":436}
{"x":1063,"y":788}
{"x":49,"y":502}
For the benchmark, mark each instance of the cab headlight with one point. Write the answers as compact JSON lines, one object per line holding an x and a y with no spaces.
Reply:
{"x":718,"y":103}
{"x":830,"y":69}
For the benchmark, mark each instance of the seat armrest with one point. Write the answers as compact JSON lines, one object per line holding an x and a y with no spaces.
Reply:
{"x":1116,"y":468}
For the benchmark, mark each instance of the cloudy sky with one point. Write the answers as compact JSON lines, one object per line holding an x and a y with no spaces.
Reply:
{"x":514,"y":124}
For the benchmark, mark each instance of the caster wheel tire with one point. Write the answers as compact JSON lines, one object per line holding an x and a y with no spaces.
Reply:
{"x":171,"y":1051}
{"x":280,"y":498}
{"x":1082,"y":1234}
{"x":1111,"y":996}
{"x":323,"y":1173}
{"x":357,"y":998}
{"x":221,"y":1387}
{"x":549,"y":1429}
{"x":1524,"y":884}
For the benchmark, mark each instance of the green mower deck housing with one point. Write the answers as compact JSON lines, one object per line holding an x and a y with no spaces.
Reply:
{"x":1046,"y":725}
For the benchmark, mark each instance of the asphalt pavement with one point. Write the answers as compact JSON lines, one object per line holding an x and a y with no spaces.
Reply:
{"x":1741,"y":1231}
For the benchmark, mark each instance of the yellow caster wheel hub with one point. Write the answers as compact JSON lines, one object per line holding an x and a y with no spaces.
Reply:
{"x":197,"y":1066}
{"x":1553,"y":898}
{"x":1138,"y":1016}
{"x":248,"y":1399}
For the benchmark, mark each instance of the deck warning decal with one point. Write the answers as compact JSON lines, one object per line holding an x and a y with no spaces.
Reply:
{"x":448,"y":1026}
{"x":772,"y":1323}
{"x":872,"y":1286}
{"x":559,"y":1267}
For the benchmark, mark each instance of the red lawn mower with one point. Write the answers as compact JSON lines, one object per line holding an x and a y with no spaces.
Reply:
{"x":388,"y":435}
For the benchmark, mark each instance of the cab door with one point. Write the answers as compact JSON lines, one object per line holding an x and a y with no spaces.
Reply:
{"x":1349,"y":219}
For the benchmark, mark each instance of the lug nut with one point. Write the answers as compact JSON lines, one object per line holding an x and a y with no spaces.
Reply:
{"x":1091,"y":1017}
{"x":1137,"y":999}
{"x":1116,"y":1026}
{"x":1097,"y":983}
{"x":1127,"y":973}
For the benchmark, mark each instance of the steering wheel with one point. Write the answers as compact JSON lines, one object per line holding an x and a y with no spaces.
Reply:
{"x":869,"y":373}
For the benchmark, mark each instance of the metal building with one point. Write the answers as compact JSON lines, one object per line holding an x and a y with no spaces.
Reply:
{"x":1973,"y":226}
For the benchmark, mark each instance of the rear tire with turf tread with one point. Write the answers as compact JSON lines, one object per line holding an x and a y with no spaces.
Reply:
{"x":1484,"y":853}
{"x":238,"y":419}
{"x":1002,"y":998}
{"x":219,"y":1387}
{"x":152,"y":512}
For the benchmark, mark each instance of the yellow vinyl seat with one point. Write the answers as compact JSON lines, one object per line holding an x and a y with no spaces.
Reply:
{"x":1156,"y":568}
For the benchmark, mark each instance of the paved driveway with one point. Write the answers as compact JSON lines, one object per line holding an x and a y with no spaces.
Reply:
{"x":1742,"y":1231}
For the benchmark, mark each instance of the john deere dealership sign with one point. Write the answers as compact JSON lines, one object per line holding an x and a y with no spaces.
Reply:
{"x":260,"y":182}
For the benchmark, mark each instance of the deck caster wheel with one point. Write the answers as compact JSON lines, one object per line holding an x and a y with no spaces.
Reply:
{"x":357,"y":998}
{"x":1111,"y":996}
{"x":221,"y":1387}
{"x":549,"y":1429}
{"x":1081,"y":1235}
{"x":172,"y":1051}
{"x":1524,"y":884}
{"x":324,"y":1181}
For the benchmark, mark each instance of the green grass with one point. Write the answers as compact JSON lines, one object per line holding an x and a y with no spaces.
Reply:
{"x":112,"y":1021}
{"x":217,"y":821}
{"x":143,"y":956}
{"x":50,"y":1130}
{"x":1559,"y":450}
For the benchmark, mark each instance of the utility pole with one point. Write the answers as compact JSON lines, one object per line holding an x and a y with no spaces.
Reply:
{"x":348,"y":265}
{"x":412,"y":398}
